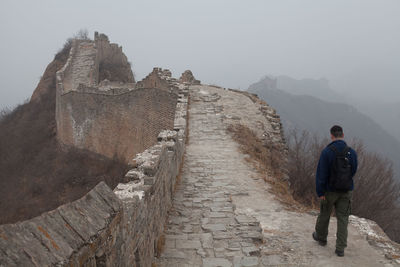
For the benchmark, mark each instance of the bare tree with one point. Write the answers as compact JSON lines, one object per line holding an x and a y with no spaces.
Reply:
{"x":82,"y":34}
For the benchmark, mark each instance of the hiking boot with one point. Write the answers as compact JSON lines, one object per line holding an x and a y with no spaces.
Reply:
{"x":320,"y":241}
{"x":340,"y":253}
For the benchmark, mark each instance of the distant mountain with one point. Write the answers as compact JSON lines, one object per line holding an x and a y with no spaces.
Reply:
{"x":318,"y":88}
{"x":386,"y":114}
{"x":317,"y":116}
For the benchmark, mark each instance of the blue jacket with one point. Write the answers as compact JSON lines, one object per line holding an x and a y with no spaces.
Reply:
{"x":324,"y":166}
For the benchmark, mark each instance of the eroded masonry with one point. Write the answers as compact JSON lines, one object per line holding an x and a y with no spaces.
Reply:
{"x":99,"y":106}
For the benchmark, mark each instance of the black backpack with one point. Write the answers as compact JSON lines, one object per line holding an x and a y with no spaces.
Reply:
{"x":340,"y":178}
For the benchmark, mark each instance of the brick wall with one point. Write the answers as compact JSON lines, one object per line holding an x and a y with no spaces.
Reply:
{"x":158,"y":78}
{"x":115,"y":125}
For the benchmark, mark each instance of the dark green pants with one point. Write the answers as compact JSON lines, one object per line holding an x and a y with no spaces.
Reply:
{"x":342,"y":204}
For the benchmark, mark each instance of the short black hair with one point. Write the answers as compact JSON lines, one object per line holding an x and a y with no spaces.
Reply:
{"x":337,"y":131}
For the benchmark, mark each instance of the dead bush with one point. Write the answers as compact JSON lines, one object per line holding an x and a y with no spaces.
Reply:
{"x":115,"y":72}
{"x":82,"y":34}
{"x":63,"y":53}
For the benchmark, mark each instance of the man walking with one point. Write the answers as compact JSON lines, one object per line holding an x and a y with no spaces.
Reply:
{"x":334,"y":183}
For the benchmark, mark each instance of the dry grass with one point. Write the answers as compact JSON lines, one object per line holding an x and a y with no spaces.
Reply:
{"x":179,"y":176}
{"x":269,"y":161}
{"x":161,"y":240}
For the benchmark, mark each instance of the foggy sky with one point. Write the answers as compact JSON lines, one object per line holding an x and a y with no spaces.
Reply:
{"x":353,"y":43}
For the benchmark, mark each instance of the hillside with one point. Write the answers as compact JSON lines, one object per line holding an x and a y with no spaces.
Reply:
{"x":309,"y":113}
{"x":37,"y":173}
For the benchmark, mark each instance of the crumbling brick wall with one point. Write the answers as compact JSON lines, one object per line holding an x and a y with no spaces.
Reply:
{"x":116,"y":125}
{"x":158,"y":78}
{"x":188,"y":77}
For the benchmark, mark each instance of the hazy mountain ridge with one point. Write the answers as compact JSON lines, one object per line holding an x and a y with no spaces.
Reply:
{"x":318,"y":88}
{"x":386,"y":114}
{"x":305,"y":112}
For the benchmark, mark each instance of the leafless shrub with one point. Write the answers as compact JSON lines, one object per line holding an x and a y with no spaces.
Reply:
{"x":376,"y":190}
{"x":115,"y":72}
{"x":304,"y":151}
{"x":82,"y":34}
{"x":63,"y":53}
{"x":4,"y":112}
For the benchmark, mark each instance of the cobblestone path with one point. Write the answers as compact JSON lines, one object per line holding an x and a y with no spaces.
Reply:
{"x":203,"y":229}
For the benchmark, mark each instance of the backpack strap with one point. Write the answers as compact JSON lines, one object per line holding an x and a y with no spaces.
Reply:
{"x":346,"y":150}
{"x":343,"y":153}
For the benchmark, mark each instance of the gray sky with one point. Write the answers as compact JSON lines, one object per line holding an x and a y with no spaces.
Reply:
{"x":353,"y":43}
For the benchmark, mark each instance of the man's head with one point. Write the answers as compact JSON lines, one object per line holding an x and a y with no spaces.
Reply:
{"x":336,"y":132}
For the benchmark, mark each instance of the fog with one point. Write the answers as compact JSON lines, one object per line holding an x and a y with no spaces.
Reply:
{"x":354,"y":44}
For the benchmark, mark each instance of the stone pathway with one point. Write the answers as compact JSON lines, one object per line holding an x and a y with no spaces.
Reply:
{"x":203,"y":229}
{"x":221,"y":201}
{"x":81,"y":66}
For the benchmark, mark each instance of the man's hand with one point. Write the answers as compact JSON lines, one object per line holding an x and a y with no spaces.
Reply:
{"x":322,"y":198}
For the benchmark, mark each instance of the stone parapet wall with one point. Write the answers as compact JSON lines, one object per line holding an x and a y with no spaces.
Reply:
{"x":61,"y":83}
{"x":277,"y":135}
{"x":106,"y":228}
{"x":106,"y":90}
{"x":67,"y":235}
